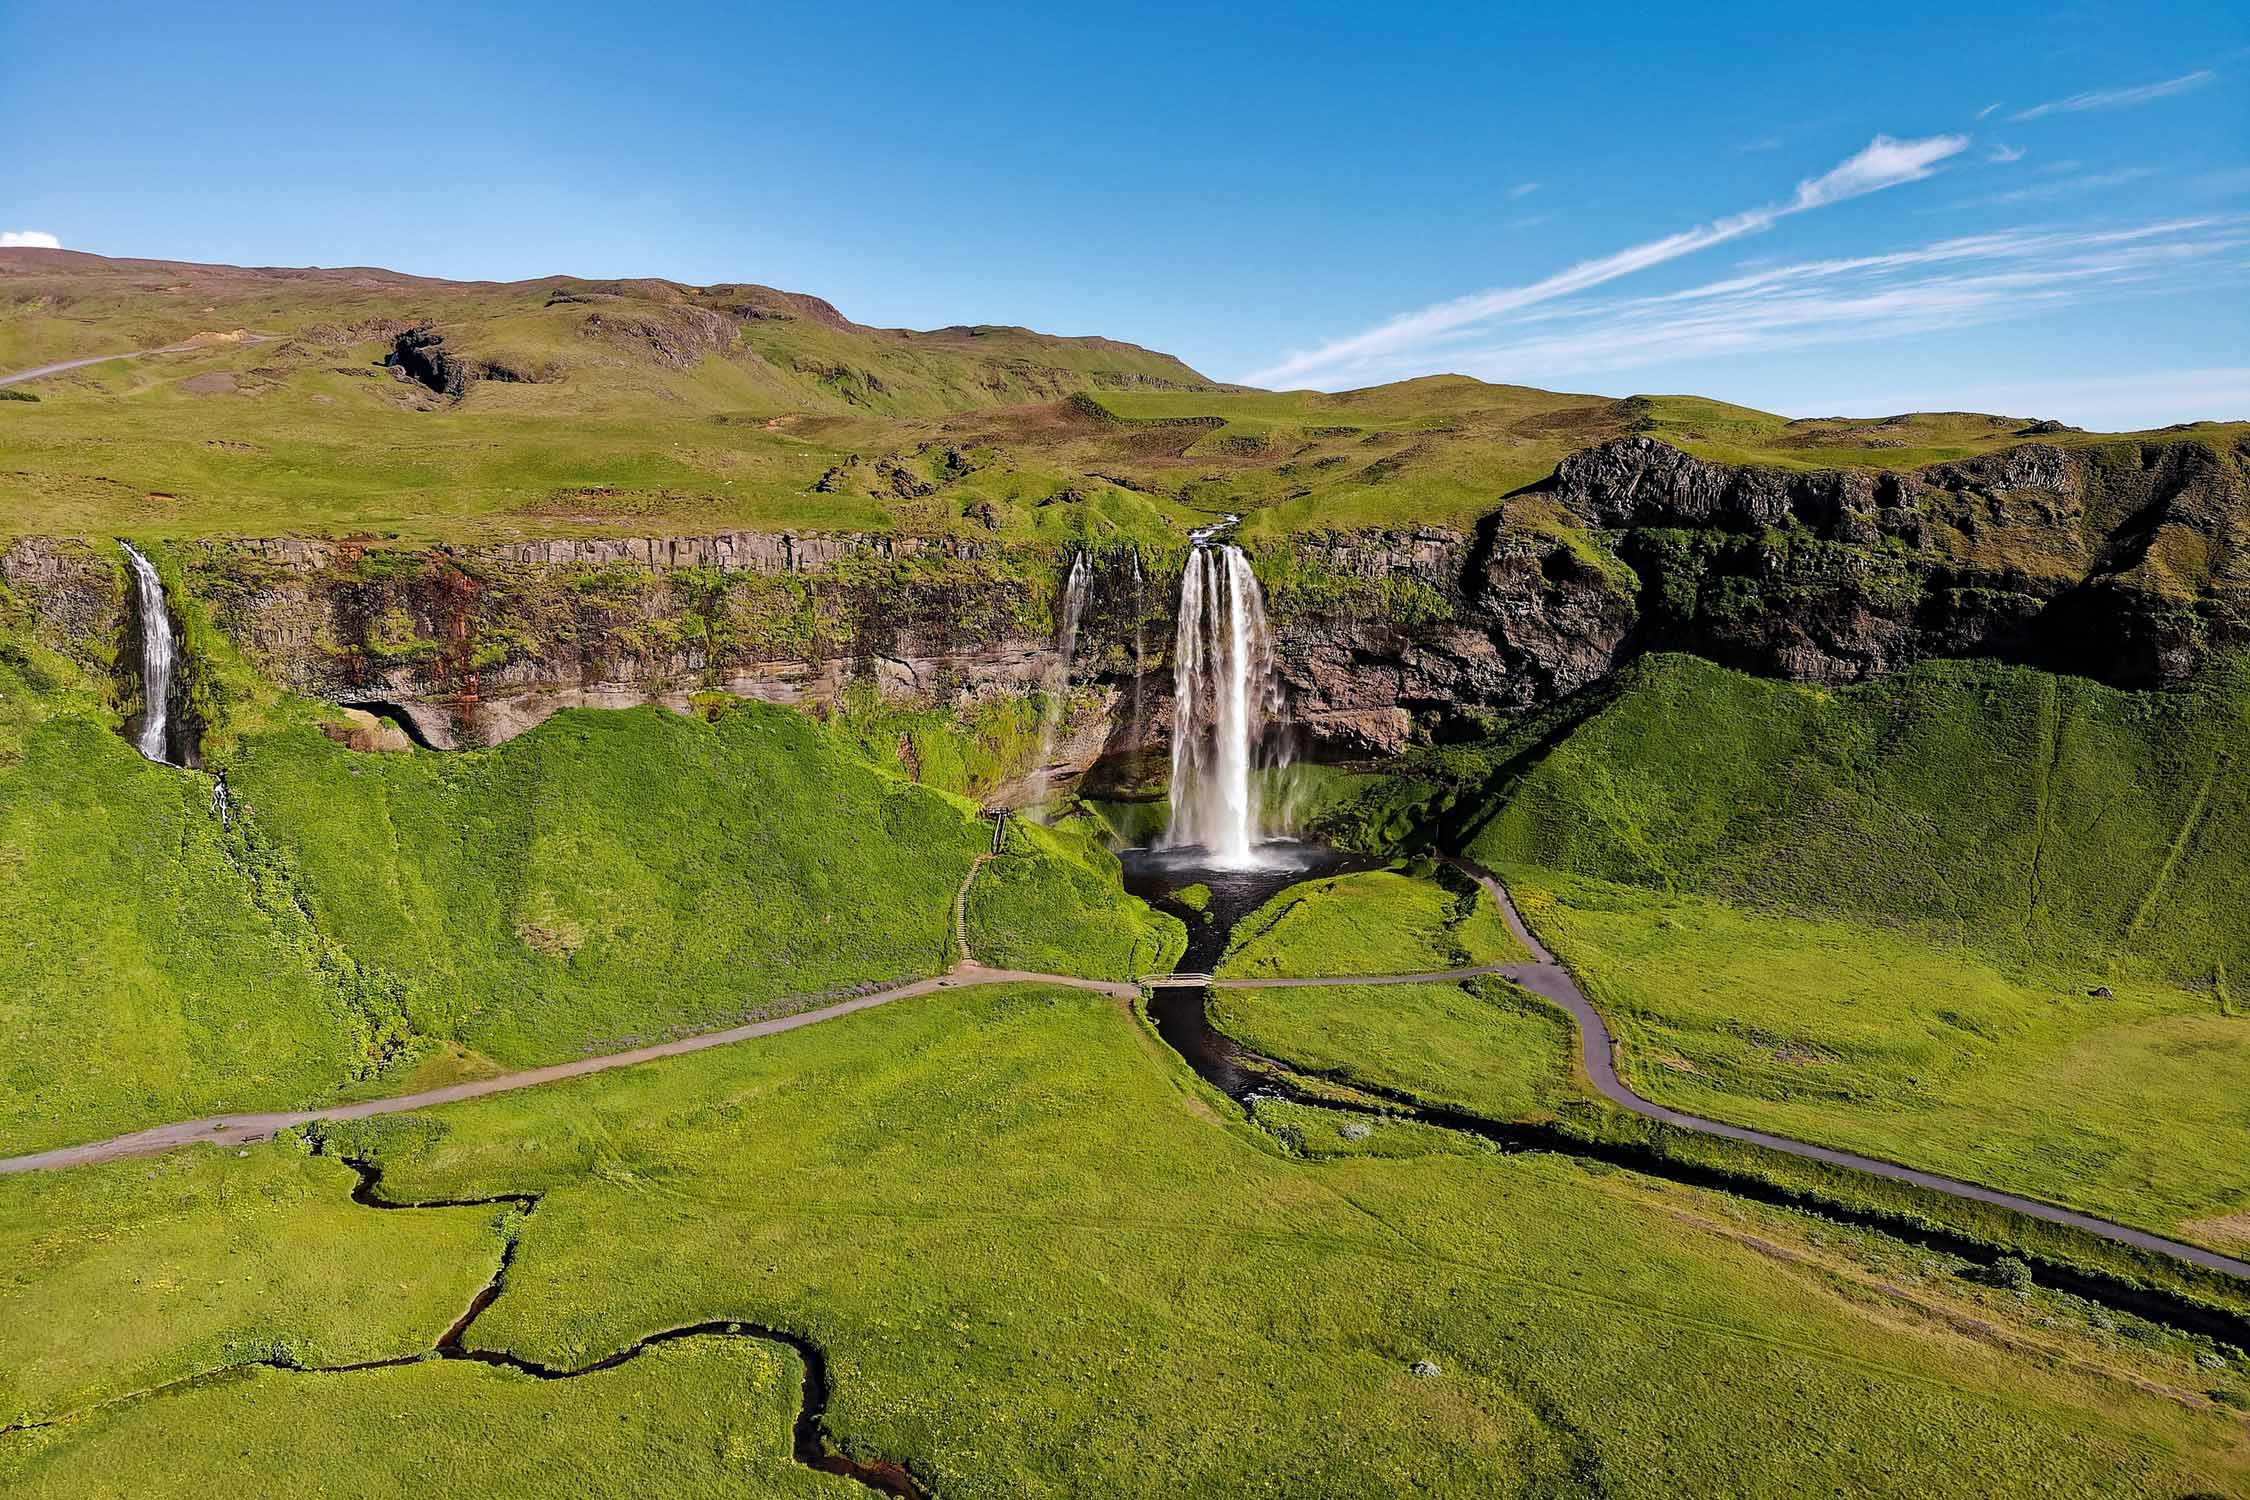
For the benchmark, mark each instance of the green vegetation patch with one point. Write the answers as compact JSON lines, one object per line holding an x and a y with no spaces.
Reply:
{"x":702,"y":1416}
{"x":125,"y":1276}
{"x":1372,"y":922}
{"x":1037,"y":1263}
{"x":1974,"y":917}
{"x":1485,"y":1047}
{"x":1919,"y":1048}
{"x":1050,"y":903}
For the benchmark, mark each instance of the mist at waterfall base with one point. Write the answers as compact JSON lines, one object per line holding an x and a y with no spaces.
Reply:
{"x":159,"y":653}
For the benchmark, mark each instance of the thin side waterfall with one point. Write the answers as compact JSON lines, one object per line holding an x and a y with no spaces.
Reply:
{"x":1223,"y":693}
{"x":158,"y":656}
{"x":1140,"y":644}
{"x":1056,"y":687}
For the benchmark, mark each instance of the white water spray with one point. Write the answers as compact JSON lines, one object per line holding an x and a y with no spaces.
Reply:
{"x":1223,"y":692}
{"x":1056,"y":688}
{"x":158,"y":653}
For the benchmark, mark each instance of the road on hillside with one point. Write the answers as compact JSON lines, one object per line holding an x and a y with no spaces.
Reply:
{"x":1597,"y":1051}
{"x":37,"y":372}
{"x":1544,"y":976}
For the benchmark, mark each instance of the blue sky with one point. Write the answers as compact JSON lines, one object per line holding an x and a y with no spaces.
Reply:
{"x":2044,"y":211}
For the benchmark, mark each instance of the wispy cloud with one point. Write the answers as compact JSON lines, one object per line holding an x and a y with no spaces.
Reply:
{"x":2002,"y":155}
{"x":1943,"y":285}
{"x":2113,"y":98}
{"x":1529,"y":221}
{"x":28,"y":239}
{"x":1763,"y":143}
{"x":1884,"y":163}
{"x":1523,"y":190}
{"x":2057,"y":188}
{"x":1988,"y":109}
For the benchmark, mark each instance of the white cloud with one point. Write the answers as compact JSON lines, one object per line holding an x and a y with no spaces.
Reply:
{"x":1940,"y":286}
{"x":2002,"y":155}
{"x":1523,"y":190}
{"x":28,"y":239}
{"x":1763,"y":143}
{"x":1988,"y":109}
{"x":1885,"y":163}
{"x":1415,"y":336}
{"x":1529,"y":221}
{"x":2112,"y":98}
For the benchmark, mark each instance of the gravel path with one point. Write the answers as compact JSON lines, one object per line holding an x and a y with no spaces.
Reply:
{"x":1543,"y":976}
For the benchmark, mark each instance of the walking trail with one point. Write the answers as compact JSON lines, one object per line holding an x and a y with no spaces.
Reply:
{"x":1543,"y":976}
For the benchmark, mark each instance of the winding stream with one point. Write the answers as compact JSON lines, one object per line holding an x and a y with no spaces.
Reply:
{"x":809,"y":1444}
{"x":1181,"y":1016}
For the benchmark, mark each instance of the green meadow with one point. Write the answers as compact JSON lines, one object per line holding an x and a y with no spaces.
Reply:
{"x":1371,"y":922}
{"x":374,"y":923}
{"x":1975,"y":918}
{"x":1041,"y":1259}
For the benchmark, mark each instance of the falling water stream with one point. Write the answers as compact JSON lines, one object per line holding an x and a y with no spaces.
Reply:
{"x":1056,"y":687}
{"x":158,"y":655}
{"x":1223,"y":694}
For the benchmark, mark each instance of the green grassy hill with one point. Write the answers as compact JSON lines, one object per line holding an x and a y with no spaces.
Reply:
{"x":1973,"y":917}
{"x":563,"y":406}
{"x":370,"y":923}
{"x":2024,"y":809}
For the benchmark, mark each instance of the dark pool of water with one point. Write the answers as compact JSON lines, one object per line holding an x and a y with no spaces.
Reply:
{"x":1158,"y":876}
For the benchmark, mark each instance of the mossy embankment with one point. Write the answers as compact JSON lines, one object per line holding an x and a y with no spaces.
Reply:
{"x":1974,"y":918}
{"x":356,"y":921}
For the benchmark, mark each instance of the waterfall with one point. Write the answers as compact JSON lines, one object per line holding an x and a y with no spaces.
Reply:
{"x":1223,"y":691}
{"x":158,"y":655}
{"x":1056,"y":686}
{"x":1140,"y":645}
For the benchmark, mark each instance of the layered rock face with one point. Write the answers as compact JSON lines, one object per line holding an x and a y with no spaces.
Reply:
{"x":2125,"y":562}
{"x":476,"y":645}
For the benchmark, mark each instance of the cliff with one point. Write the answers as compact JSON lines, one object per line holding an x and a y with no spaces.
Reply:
{"x":2123,"y":562}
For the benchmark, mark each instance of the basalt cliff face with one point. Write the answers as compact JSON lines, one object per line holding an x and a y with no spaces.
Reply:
{"x":2125,"y":562}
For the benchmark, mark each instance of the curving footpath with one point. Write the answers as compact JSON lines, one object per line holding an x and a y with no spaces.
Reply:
{"x":1544,"y":976}
{"x":1597,"y":1050}
{"x":238,"y":1130}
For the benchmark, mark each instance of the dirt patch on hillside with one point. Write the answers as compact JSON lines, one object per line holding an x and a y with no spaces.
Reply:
{"x":211,"y":383}
{"x":2232,"y":1229}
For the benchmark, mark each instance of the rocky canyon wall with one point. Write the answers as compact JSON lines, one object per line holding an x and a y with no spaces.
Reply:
{"x":2125,"y":562}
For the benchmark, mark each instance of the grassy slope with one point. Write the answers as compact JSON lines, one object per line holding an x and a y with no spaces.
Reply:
{"x":1048,"y":904}
{"x":643,"y":419}
{"x":374,"y":922}
{"x":1875,"y":916}
{"x":125,"y":1276}
{"x":1372,"y":922}
{"x":1041,"y":1265}
{"x":1485,"y":1047}
{"x":702,"y":1416}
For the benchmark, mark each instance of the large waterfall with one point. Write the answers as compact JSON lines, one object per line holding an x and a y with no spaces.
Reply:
{"x":1223,"y":691}
{"x":1056,"y":686}
{"x":158,"y":655}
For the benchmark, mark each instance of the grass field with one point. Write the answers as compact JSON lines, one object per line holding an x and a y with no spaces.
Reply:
{"x":368,"y":923}
{"x":1883,"y":918}
{"x":1484,"y":1048}
{"x":1041,"y":1260}
{"x":1921,"y":1049}
{"x":1373,"y":922}
{"x":648,"y":408}
{"x":127,"y":1276}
